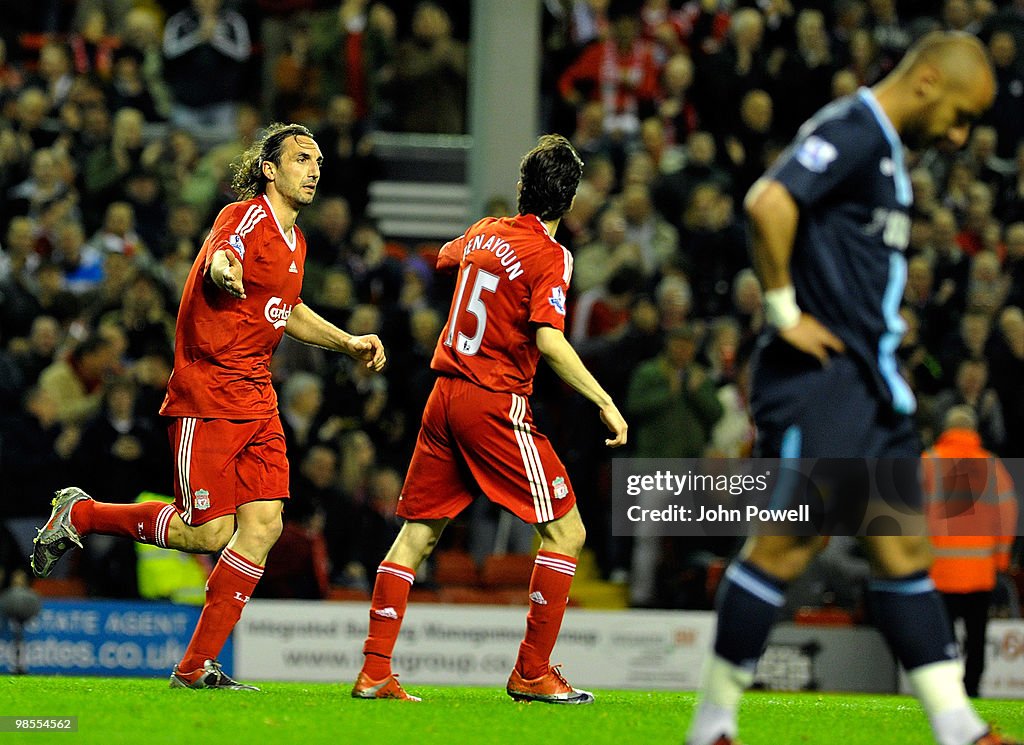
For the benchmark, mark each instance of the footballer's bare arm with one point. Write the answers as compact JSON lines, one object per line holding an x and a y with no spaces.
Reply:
{"x":307,"y":326}
{"x":569,"y":367}
{"x":774,"y":216}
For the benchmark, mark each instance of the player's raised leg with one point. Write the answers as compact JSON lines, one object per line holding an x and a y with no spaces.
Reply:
{"x":75,"y":515}
{"x":752,"y":591}
{"x":387,"y":608}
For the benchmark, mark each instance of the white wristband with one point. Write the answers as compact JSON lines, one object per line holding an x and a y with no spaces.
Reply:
{"x":780,"y":307}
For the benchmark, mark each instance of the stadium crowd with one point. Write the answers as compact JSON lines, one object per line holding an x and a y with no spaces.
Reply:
{"x":119,"y":118}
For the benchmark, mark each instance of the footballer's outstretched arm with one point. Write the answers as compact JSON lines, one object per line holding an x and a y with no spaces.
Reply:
{"x":226,"y":272}
{"x":307,"y":326}
{"x":569,"y":367}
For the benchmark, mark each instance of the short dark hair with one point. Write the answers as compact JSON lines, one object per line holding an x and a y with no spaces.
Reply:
{"x":549,"y":174}
{"x":248,"y":180}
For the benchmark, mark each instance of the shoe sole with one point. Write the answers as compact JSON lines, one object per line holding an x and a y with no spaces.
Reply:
{"x":64,"y":542}
{"x":582,"y":699}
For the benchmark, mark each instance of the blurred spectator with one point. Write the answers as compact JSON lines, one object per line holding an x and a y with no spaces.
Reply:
{"x":987,"y":287}
{"x":602,"y":312}
{"x":297,"y":79}
{"x":972,"y":391}
{"x":36,"y":352}
{"x":931,"y":305}
{"x":432,"y":60}
{"x":43,"y":187}
{"x":665,"y":156}
{"x":337,"y":297}
{"x":595,"y":262}
{"x":1007,"y":112}
{"x":950,"y":265}
{"x":51,"y":296}
{"x":1007,"y":356}
{"x":117,"y":233}
{"x":804,"y":80}
{"x":674,"y":299}
{"x":891,"y":37}
{"x":747,"y":144}
{"x":863,"y":59}
{"x":657,"y":240}
{"x":144,"y":194}
{"x":54,"y":75}
{"x":672,"y":190}
{"x":917,"y":364}
{"x":31,"y":118}
{"x":675,"y":107}
{"x":577,"y":228}
{"x":76,"y":384}
{"x":377,"y":276}
{"x":988,"y":166}
{"x":143,"y":317}
{"x":621,"y":72}
{"x":298,"y":565}
{"x":35,"y":453}
{"x":672,"y":401}
{"x":748,"y":305}
{"x":713,"y":248}
{"x":81,"y":263}
{"x":11,"y":78}
{"x":128,"y":87}
{"x":301,"y":399}
{"x":351,"y":164}
{"x":724,"y":77}
{"x":130,"y":447}
{"x":328,"y":240}
{"x":108,"y":166}
{"x":376,"y":519}
{"x":141,"y":33}
{"x":92,"y":48}
{"x":673,"y":406}
{"x":356,"y":54}
{"x":208,"y":43}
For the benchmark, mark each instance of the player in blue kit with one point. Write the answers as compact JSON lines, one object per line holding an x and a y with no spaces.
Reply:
{"x":829,"y":226}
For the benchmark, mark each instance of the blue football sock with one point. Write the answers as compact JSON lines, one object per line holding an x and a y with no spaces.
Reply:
{"x":748,"y":604}
{"x":909,"y":613}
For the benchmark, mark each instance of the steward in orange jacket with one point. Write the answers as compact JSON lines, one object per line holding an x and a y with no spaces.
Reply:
{"x":972,"y":515}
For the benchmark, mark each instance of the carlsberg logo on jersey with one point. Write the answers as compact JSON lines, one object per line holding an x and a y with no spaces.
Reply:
{"x":277,"y":312}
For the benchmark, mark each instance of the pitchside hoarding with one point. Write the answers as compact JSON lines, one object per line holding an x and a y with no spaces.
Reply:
{"x":110,"y":638}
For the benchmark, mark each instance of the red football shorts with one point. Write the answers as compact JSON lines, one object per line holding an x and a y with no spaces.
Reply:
{"x":220,"y":464}
{"x":471,"y":434}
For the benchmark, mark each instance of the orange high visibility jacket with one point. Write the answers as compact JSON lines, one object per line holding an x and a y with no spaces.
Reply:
{"x":972,"y":512}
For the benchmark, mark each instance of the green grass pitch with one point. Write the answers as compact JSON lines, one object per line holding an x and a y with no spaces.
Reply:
{"x":112,"y":711}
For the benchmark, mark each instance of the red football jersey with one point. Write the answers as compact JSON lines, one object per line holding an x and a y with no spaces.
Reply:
{"x":513,"y":276}
{"x":223,"y":345}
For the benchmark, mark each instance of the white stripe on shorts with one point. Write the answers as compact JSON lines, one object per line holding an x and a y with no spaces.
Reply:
{"x":188,"y":428}
{"x":531,"y":460}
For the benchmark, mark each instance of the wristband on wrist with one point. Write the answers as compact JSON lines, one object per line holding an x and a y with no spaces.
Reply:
{"x":780,"y":307}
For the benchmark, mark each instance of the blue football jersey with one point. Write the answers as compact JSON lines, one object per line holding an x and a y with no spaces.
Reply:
{"x":846,"y":171}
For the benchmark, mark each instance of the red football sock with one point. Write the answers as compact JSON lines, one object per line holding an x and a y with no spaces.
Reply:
{"x":549,"y":594}
{"x":227,"y":591}
{"x":387,"y":608}
{"x":145,"y":522}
